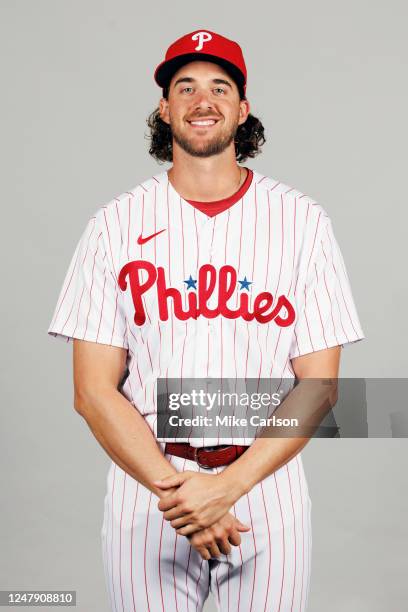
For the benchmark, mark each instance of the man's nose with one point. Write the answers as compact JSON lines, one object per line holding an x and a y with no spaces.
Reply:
{"x":203,"y":100}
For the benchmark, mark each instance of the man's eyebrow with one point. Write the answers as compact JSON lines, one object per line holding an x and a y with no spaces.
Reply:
{"x":191,"y":80}
{"x":222,"y":82}
{"x":184,"y":80}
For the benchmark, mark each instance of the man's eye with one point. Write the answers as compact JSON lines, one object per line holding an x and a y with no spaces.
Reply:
{"x":185,"y":88}
{"x":219,"y":90}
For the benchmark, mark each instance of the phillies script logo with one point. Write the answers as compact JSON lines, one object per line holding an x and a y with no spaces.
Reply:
{"x":197,"y":300}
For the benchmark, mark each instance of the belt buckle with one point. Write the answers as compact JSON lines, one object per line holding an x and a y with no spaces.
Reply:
{"x":196,"y":459}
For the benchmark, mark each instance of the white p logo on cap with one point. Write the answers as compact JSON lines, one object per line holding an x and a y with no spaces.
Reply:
{"x":202,"y":38}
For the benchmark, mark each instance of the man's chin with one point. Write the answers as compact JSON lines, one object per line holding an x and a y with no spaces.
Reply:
{"x":206,"y":152}
{"x":207,"y":149}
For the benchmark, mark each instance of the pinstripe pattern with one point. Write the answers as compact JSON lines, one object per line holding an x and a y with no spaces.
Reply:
{"x":283,"y":242}
{"x":150,"y":567}
{"x":279,"y":238}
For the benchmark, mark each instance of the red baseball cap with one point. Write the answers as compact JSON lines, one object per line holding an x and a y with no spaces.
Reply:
{"x":206,"y":46}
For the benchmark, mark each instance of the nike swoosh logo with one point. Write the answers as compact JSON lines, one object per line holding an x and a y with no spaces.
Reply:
{"x":142,"y":240}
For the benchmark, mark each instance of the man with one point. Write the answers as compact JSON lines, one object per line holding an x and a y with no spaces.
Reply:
{"x":209,"y":270}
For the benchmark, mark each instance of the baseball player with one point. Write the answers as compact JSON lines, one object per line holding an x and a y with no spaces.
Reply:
{"x":207,"y":270}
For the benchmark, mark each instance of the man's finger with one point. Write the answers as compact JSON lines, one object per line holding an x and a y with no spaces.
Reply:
{"x":167,"y":503}
{"x":241,"y":526}
{"x":204,"y":553}
{"x":188,"y":529}
{"x":214,"y":550}
{"x":234,"y":538}
{"x":181,"y":521}
{"x":176,"y":514}
{"x":224,"y":546}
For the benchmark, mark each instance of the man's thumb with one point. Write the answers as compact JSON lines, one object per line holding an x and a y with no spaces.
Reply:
{"x":170,"y":481}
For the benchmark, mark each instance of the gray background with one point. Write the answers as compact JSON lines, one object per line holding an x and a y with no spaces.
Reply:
{"x":328,"y":81}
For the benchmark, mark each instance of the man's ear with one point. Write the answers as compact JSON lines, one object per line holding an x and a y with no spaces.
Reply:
{"x":244,"y":110}
{"x":164,"y":110}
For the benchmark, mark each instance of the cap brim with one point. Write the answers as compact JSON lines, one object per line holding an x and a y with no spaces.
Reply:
{"x":167,"y":69}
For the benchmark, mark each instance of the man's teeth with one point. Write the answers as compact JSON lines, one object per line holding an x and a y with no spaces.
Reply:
{"x":205,"y":122}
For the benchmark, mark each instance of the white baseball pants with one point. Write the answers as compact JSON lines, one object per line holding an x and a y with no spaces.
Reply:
{"x":150,"y":568}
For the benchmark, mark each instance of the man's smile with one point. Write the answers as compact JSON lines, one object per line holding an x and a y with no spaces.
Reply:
{"x":203,"y":123}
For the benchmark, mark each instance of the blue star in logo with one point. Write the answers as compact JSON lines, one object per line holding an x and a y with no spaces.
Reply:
{"x":191,"y":283}
{"x":245,"y":283}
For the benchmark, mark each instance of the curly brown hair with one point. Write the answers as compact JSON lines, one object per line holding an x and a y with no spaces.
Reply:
{"x":248,"y":140}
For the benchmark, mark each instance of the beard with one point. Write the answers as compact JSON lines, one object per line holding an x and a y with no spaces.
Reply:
{"x":213,"y":146}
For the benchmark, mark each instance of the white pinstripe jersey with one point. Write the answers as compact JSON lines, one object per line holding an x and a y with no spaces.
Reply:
{"x":238,"y":294}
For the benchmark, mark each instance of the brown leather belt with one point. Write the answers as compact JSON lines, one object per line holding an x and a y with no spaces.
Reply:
{"x":206,"y":457}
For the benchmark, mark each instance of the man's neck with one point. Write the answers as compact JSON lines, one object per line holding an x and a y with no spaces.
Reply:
{"x":206,"y":179}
